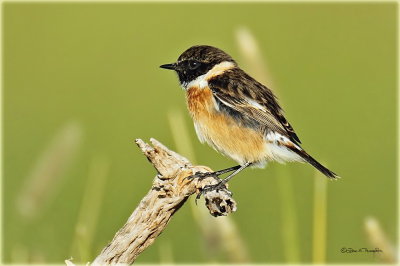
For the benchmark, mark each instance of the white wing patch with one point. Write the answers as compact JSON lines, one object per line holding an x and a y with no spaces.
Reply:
{"x":255,"y":104}
{"x":275,"y":137}
{"x":277,"y":151}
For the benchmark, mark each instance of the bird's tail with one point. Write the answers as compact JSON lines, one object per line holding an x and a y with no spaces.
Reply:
{"x":303,"y":154}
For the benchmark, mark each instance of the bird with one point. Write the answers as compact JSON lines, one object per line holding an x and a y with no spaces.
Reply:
{"x":235,"y":114}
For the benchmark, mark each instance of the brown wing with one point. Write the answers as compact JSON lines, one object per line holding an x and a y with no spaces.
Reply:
{"x":250,"y":102}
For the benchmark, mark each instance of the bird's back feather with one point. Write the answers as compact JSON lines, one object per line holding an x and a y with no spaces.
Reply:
{"x":250,"y":102}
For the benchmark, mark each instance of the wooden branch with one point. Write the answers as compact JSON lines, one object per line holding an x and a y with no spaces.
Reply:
{"x":170,"y":190}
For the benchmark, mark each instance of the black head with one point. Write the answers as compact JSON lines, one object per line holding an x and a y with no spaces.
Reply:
{"x":197,"y":61}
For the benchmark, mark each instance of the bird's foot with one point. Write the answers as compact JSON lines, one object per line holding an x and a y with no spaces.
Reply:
{"x":203,"y":175}
{"x":219,"y":186}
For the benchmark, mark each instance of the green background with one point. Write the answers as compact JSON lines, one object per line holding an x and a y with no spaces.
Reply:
{"x":96,"y":66}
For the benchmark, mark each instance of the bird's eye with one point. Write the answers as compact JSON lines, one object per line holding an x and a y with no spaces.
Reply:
{"x":194,"y":64}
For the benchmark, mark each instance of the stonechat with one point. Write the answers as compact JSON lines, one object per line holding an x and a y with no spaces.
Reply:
{"x":235,"y":114}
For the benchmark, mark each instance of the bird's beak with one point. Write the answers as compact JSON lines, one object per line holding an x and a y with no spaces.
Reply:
{"x":169,"y":66}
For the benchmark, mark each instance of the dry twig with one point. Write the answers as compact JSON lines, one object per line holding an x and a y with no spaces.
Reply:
{"x":170,"y":190}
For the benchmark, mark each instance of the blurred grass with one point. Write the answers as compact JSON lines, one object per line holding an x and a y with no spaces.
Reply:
{"x":378,"y":239}
{"x":90,"y":207}
{"x":97,"y":64}
{"x":289,"y":224}
{"x":252,"y":57}
{"x":319,"y":218}
{"x":48,"y":172}
{"x":43,"y":183}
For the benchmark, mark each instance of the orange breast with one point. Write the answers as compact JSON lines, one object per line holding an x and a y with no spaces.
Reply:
{"x":221,"y":131}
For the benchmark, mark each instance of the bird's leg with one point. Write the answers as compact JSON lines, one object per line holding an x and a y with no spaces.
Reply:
{"x":225,"y":180}
{"x":215,"y":174}
{"x":222,"y":183}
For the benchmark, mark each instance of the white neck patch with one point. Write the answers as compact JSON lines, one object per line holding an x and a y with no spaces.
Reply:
{"x":202,"y":81}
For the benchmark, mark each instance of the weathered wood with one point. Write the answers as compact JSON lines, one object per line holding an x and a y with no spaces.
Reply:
{"x":170,"y":190}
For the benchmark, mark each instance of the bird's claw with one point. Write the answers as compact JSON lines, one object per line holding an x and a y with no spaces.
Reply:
{"x":202,"y":175}
{"x":209,"y":188}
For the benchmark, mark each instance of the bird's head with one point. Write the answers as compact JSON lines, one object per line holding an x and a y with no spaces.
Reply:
{"x":197,"y":61}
